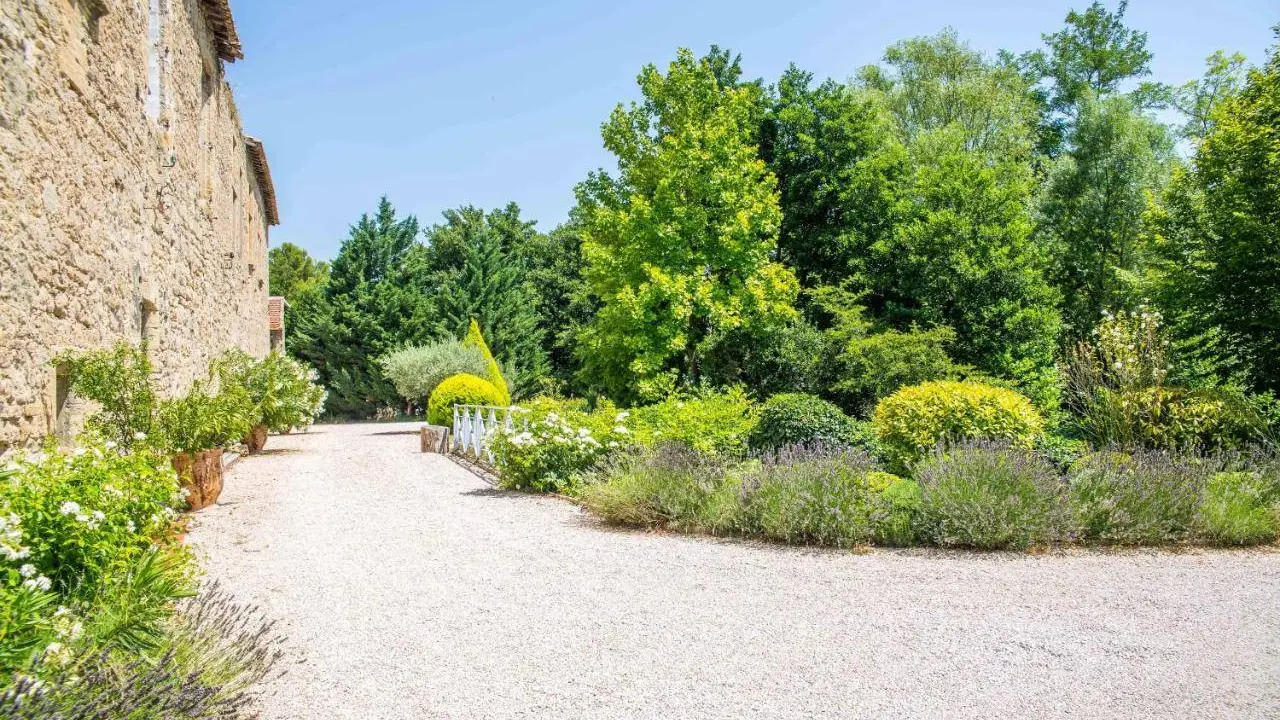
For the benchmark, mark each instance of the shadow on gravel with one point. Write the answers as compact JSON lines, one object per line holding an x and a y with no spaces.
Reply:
{"x":275,"y":451}
{"x":396,"y":432}
{"x":493,"y":492}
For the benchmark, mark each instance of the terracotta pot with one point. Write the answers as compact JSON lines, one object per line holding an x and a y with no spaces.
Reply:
{"x":201,"y":476}
{"x":256,"y":439}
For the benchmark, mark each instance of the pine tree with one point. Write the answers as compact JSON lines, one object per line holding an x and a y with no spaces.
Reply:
{"x":478,"y":276}
{"x":364,"y":311}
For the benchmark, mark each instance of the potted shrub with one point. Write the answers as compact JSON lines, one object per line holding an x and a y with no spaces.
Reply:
{"x":194,"y":429}
{"x":279,"y":389}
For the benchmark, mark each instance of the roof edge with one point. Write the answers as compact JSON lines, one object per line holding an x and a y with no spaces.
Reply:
{"x":217,"y":14}
{"x":261,"y":170}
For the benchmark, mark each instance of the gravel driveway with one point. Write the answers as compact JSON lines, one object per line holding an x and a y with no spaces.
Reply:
{"x":409,"y":589}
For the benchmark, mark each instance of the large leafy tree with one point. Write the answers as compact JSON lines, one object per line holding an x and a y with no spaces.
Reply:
{"x":1093,"y":55}
{"x":475,"y":262}
{"x":1092,"y":204}
{"x":1199,"y":99}
{"x":833,"y":151}
{"x":1238,"y":171}
{"x":554,"y":269}
{"x":1108,"y":157}
{"x":678,"y":245}
{"x":960,"y":251}
{"x":365,"y":310}
{"x":292,"y":271}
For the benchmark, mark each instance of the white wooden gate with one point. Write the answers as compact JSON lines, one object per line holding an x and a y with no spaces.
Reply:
{"x":475,"y":425}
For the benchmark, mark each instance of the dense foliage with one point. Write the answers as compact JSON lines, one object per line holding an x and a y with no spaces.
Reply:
{"x":118,"y":379}
{"x":416,"y":370}
{"x":798,"y":419}
{"x":981,"y":270}
{"x":678,"y":245}
{"x":99,"y":614}
{"x":203,"y":420}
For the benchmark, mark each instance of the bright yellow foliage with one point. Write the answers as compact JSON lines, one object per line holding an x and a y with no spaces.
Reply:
{"x":461,"y":389}
{"x":915,"y":419}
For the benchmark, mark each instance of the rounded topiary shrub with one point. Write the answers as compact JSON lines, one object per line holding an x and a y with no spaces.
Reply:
{"x":916,"y":419}
{"x":461,"y":389}
{"x":799,"y":419}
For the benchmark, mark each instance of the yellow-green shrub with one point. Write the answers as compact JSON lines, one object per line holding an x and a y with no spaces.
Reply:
{"x":915,"y":419}
{"x":475,"y":339}
{"x":461,"y":389}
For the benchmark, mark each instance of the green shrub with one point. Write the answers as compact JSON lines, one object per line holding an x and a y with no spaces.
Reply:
{"x":75,"y":517}
{"x":799,"y":419}
{"x":715,"y":423}
{"x":769,"y":360}
{"x":988,"y":495}
{"x":200,"y":420}
{"x":916,"y":419}
{"x":1060,"y":450}
{"x":898,"y":510}
{"x":874,"y":366}
{"x":1145,"y":497}
{"x":493,"y":373}
{"x":1115,"y":389}
{"x":1172,"y":418}
{"x":1242,"y":508}
{"x":461,"y":390}
{"x":119,"y":380}
{"x":416,"y":371}
{"x":814,"y":496}
{"x":551,"y":447}
{"x":669,"y":486}
{"x":282,"y":391}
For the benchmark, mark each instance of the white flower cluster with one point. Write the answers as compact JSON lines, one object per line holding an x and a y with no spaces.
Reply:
{"x":32,"y":578}
{"x":11,"y":538}
{"x":92,"y":519}
{"x":556,"y":430}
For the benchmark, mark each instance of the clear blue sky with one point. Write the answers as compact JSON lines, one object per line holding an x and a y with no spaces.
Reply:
{"x":438,"y":103}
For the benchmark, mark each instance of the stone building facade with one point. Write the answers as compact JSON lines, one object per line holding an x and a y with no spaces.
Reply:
{"x":132,"y":205}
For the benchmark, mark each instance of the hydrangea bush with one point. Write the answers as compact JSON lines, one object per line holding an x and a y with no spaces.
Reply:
{"x":551,"y":449}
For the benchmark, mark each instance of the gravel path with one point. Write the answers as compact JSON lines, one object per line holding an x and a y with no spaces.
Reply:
{"x":409,"y":589}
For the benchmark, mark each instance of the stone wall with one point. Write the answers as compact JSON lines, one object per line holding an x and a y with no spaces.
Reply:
{"x":128,"y":205}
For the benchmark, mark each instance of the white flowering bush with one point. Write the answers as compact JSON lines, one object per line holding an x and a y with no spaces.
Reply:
{"x":1116,"y":392}
{"x":552,"y":447}
{"x":70,"y":518}
{"x":284,"y":393}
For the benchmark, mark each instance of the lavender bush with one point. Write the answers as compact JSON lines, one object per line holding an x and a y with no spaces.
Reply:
{"x":669,"y":486}
{"x":988,"y":495}
{"x":813,"y":495}
{"x":1241,"y":506}
{"x":1143,"y":497}
{"x":214,"y":653}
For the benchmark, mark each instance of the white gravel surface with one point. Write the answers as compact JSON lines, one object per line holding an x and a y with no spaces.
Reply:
{"x":409,"y":589}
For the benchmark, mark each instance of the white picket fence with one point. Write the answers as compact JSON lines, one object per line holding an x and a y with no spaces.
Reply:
{"x":474,"y":427}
